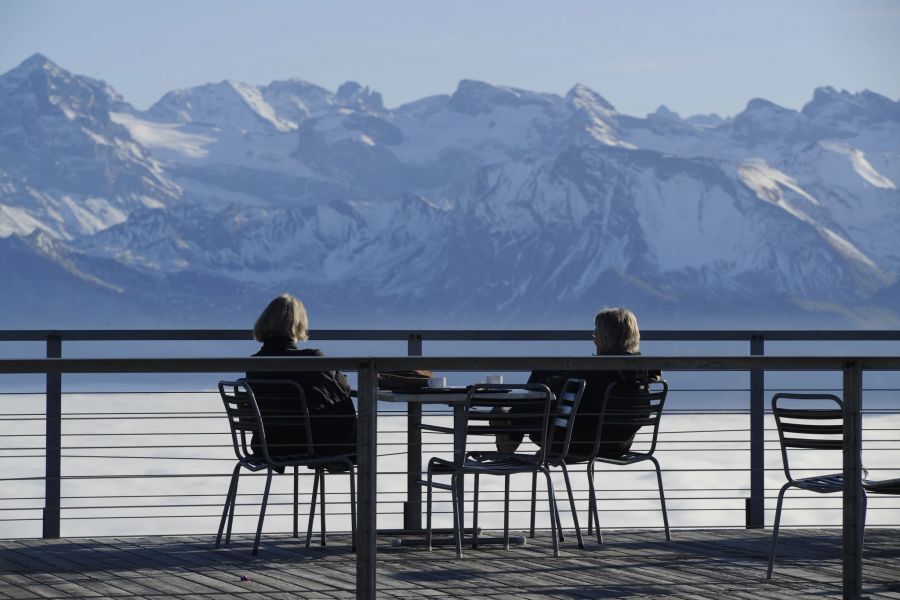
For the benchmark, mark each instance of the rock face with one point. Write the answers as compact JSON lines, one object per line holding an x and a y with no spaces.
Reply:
{"x":492,"y":205}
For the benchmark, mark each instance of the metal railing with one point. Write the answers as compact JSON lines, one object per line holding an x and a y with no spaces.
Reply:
{"x":366,"y":367}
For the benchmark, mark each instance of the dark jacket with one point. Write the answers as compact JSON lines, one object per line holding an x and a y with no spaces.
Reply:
{"x":332,"y":414}
{"x":616,"y":437}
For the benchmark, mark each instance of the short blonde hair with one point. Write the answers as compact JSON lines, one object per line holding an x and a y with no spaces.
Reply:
{"x":285,"y":317}
{"x":616,"y":330}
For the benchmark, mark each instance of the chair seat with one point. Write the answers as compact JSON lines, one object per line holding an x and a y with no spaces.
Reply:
{"x":888,"y":486}
{"x":488,"y":462}
{"x":625,"y":459}
{"x":822,"y":484}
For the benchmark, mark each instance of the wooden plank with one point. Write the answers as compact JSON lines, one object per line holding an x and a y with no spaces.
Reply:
{"x":702,"y":564}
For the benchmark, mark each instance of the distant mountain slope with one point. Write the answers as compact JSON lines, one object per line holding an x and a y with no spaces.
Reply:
{"x":488,"y":205}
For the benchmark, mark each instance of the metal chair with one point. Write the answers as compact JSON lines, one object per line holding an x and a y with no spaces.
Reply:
{"x":628,"y":404}
{"x":807,"y":428}
{"x":244,"y":417}
{"x":475,"y":418}
{"x":562,"y":420}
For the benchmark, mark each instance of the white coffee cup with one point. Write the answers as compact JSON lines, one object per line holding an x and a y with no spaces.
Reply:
{"x":437,"y":382}
{"x":494,"y":379}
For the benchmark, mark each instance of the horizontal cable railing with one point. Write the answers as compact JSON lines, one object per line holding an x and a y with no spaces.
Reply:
{"x":109,"y":437}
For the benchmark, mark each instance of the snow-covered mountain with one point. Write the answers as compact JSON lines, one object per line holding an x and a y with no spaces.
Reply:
{"x":491,"y":205}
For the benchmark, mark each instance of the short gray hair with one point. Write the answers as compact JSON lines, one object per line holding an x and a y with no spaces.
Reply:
{"x":285,"y":317}
{"x":616,"y":330}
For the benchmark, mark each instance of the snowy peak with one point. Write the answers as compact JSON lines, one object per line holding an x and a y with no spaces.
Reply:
{"x":764,"y":121}
{"x":35,"y":62}
{"x":663,"y":113}
{"x":227,"y":104}
{"x":38,"y":84}
{"x":592,"y":116}
{"x":295,"y":100}
{"x":353,"y":95}
{"x":581,"y":97}
{"x":477,"y":97}
{"x":828,"y":104}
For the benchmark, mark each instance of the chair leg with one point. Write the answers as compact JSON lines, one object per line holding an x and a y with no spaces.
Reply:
{"x":237,"y":480}
{"x":296,"y":500}
{"x":593,"y":510}
{"x":428,"y":512}
{"x":662,"y":498}
{"x":262,"y":511}
{"x":775,"y":528}
{"x":457,"y":513}
{"x":533,"y":502}
{"x":352,"y":508}
{"x":553,"y":513}
{"x":475,"y":514}
{"x":590,"y":525}
{"x":572,"y":506}
{"x":322,"y":509}
{"x":559,"y":529}
{"x":229,"y":498}
{"x":312,"y":508}
{"x":506,"y":514}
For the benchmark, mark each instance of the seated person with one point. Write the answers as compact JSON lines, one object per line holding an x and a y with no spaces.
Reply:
{"x":332,"y":414}
{"x":616,"y":333}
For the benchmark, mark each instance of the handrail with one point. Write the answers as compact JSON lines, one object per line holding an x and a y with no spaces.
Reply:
{"x":443,"y":363}
{"x":688,"y":335}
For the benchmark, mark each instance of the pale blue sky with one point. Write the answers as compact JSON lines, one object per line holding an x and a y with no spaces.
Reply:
{"x":693,"y":56}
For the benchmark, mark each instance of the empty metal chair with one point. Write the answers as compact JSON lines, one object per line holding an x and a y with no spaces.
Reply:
{"x":816,"y":425}
{"x":245,"y":419}
{"x":632,"y":404}
{"x":475,"y":418}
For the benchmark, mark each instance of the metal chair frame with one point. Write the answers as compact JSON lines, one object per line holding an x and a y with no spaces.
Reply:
{"x":819,"y":436}
{"x":244,"y":418}
{"x":479,"y":402}
{"x":563,"y":418}
{"x":656,"y":400}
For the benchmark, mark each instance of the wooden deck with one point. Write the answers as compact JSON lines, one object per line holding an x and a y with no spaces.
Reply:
{"x":631,"y":564}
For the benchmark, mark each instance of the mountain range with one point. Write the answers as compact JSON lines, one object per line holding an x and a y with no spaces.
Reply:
{"x":490,"y":206}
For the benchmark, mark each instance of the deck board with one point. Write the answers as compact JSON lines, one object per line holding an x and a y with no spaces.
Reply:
{"x":696,"y":565}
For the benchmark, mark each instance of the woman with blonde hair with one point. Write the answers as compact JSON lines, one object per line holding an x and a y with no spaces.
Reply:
{"x":281,"y":325}
{"x":616,"y":333}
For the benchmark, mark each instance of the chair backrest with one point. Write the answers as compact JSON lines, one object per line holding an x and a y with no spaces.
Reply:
{"x":490,"y":409}
{"x":285,"y":405}
{"x":808,"y":421}
{"x":634,"y":403}
{"x":243,"y":418}
{"x":562,"y":420}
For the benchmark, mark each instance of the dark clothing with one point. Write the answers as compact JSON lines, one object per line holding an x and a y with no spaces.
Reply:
{"x":616,"y":435}
{"x":332,"y":414}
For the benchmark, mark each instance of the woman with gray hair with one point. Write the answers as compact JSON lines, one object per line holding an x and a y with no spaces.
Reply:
{"x":281,"y":325}
{"x":616,"y":333}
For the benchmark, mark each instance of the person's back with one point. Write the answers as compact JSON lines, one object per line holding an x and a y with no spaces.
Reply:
{"x":616,"y":434}
{"x":331,"y":411}
{"x":616,"y":333}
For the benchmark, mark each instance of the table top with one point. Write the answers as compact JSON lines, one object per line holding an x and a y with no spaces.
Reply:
{"x":449,"y":395}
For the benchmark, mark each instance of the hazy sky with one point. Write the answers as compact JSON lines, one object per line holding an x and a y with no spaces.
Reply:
{"x":693,"y":56}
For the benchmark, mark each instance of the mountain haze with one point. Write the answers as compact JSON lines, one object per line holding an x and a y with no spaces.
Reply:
{"x":490,"y":206}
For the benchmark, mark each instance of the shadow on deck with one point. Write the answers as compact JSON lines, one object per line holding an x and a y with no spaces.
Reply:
{"x":631,"y":564}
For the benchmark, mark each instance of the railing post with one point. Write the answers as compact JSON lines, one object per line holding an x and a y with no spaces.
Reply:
{"x":53,"y":442}
{"x":756,"y":507}
{"x":366,"y":448}
{"x":853,"y":520}
{"x":412,"y":508}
